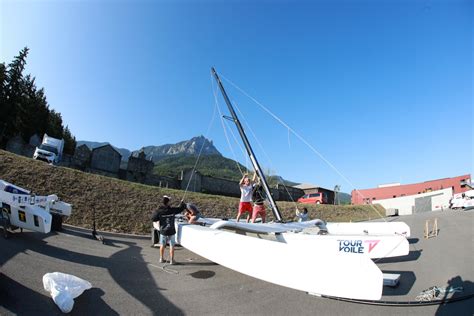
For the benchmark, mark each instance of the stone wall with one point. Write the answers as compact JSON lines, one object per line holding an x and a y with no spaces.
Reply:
{"x":218,"y":186}
{"x":211,"y":185}
{"x":162,"y":181}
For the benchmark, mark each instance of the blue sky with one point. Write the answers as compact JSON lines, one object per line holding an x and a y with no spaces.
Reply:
{"x":382,"y":89}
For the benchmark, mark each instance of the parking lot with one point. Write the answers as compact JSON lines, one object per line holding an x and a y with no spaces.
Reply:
{"x":127,"y":278}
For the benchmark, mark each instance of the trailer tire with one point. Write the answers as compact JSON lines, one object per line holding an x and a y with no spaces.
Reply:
{"x":5,"y":223}
{"x":57,"y":222}
{"x":155,"y":236}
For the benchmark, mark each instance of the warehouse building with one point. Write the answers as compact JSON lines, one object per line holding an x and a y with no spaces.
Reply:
{"x":397,"y":190}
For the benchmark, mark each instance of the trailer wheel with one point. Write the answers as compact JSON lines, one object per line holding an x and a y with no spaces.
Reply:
{"x":5,"y":222}
{"x":57,"y":222}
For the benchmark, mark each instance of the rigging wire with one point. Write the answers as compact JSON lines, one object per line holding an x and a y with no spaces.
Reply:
{"x":199,"y":155}
{"x":263,"y":150}
{"x":223,"y":125}
{"x":236,"y":141}
{"x":301,"y":138}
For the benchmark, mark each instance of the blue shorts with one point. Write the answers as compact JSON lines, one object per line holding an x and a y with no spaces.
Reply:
{"x":170,"y":239}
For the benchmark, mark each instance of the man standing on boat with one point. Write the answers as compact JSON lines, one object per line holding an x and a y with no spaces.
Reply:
{"x":246,"y":188}
{"x":165,"y":215}
{"x":258,"y":197}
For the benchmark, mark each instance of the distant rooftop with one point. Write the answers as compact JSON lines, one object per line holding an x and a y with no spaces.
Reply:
{"x":389,"y":185}
{"x":306,"y":186}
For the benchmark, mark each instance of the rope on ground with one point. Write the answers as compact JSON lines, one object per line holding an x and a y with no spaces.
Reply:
{"x":403,"y":303}
{"x":165,"y":268}
{"x":434,"y":292}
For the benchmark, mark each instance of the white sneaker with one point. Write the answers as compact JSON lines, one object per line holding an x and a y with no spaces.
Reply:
{"x":172,"y":261}
{"x":162,"y":260}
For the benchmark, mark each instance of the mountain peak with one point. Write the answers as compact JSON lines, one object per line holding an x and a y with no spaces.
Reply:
{"x":190,"y":147}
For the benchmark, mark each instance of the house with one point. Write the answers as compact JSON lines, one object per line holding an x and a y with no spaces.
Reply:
{"x":138,"y":168}
{"x":105,"y":160}
{"x":82,"y":157}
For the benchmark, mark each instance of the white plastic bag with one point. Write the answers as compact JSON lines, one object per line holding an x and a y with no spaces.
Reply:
{"x":64,"y":288}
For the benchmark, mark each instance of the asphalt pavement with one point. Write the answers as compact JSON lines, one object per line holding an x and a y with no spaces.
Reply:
{"x":128,"y":280}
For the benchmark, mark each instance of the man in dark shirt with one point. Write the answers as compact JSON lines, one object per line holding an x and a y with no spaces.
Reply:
{"x":165,"y":215}
{"x":258,"y":197}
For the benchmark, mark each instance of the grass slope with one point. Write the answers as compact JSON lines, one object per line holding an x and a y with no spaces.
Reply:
{"x":125,"y":206}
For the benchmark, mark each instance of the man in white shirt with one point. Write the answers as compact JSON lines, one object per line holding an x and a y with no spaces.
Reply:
{"x":245,"y":205}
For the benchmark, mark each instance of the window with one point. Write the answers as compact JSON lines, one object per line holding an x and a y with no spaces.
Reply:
{"x":22,"y":216}
{"x":35,"y":218}
{"x":315,"y":195}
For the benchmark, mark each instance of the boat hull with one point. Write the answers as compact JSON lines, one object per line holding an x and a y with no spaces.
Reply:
{"x":334,"y":274}
{"x":374,"y":246}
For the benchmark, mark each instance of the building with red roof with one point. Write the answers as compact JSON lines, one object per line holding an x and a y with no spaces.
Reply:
{"x":370,"y":196}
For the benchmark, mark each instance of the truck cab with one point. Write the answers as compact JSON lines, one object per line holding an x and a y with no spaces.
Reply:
{"x":50,"y":150}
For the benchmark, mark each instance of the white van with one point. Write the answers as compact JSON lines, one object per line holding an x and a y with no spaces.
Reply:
{"x":462,"y":200}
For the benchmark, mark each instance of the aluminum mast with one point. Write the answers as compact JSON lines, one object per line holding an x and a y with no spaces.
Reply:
{"x":253,"y":159}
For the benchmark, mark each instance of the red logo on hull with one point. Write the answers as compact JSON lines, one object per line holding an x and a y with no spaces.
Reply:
{"x":372,"y":244}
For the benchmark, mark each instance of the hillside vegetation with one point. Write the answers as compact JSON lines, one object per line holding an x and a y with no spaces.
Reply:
{"x":210,"y":165}
{"x":125,"y":206}
{"x":216,"y":166}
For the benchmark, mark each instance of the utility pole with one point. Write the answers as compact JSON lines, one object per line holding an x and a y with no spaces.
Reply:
{"x":337,"y":188}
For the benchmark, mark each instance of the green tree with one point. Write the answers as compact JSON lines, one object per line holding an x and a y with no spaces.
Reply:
{"x":69,"y":141}
{"x":25,"y":110}
{"x":3,"y":98}
{"x":13,"y":94}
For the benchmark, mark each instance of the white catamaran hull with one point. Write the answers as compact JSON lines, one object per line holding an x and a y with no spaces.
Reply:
{"x":360,"y":228}
{"x":374,"y":246}
{"x":332,"y":274}
{"x":369,"y":228}
{"x":371,"y":246}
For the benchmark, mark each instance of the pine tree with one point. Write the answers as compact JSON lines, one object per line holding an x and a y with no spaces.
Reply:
{"x":24,"y":109}
{"x":14,"y":94}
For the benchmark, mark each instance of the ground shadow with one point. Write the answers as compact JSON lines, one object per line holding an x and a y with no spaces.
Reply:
{"x":92,"y":299}
{"x":88,"y":235}
{"x":127,"y":268}
{"x":22,"y":300}
{"x":407,"y":279}
{"x":462,"y":302}
{"x":413,"y":255}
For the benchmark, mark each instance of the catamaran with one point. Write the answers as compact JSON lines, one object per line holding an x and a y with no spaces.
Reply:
{"x":22,"y":209}
{"x":339,"y":255}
